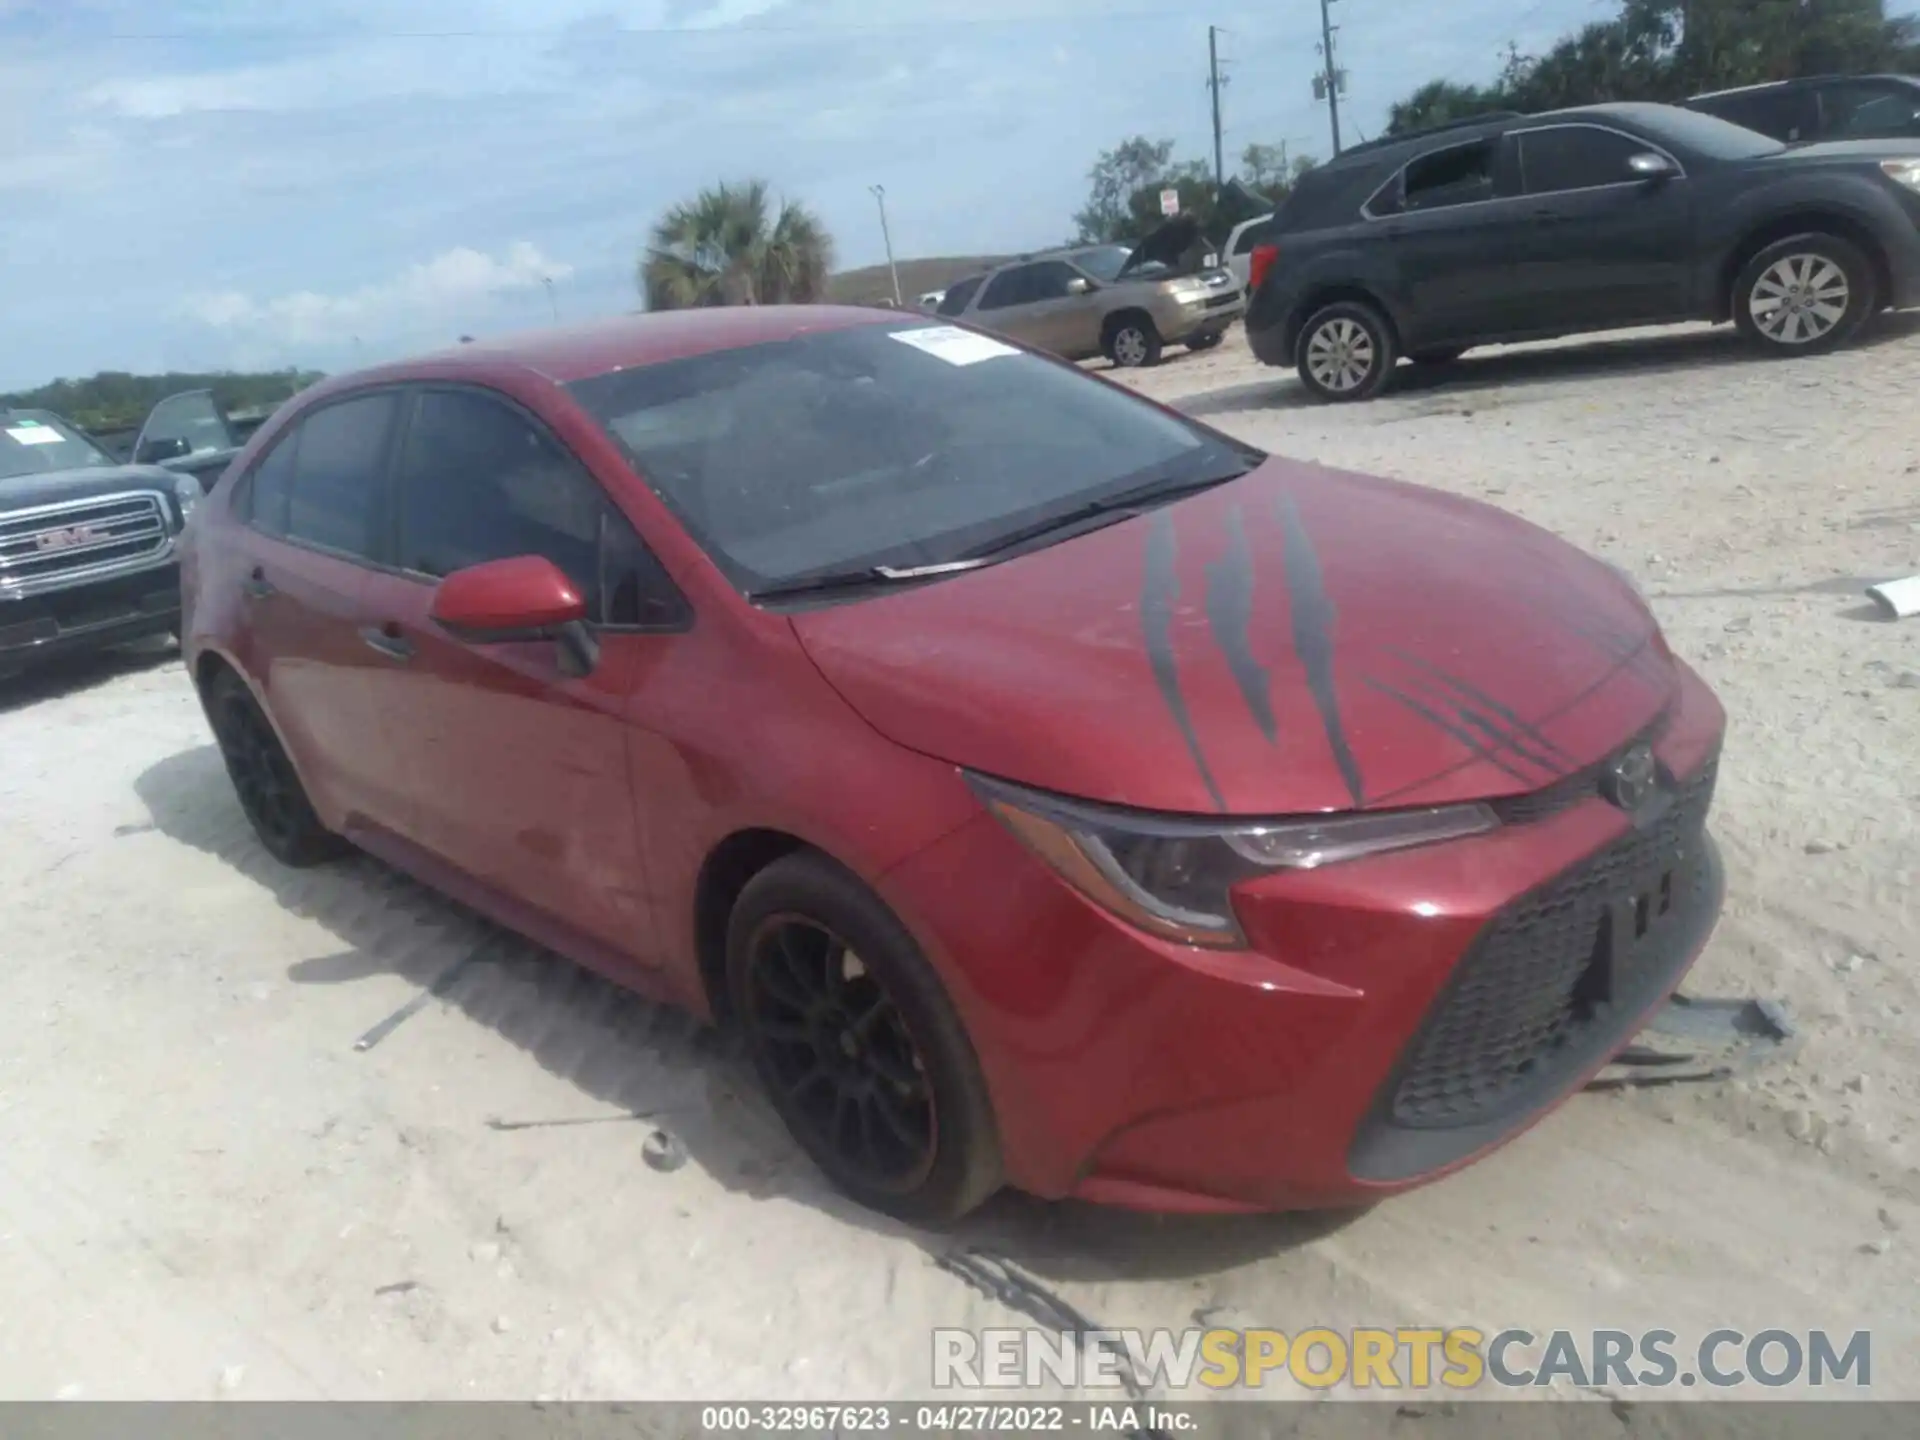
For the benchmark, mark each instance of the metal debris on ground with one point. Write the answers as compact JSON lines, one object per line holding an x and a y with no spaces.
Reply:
{"x":1695,"y":1039}
{"x":1897,"y":599}
{"x":441,"y":984}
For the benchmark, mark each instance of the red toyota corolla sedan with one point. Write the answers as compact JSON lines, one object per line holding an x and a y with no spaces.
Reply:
{"x":1055,"y":791}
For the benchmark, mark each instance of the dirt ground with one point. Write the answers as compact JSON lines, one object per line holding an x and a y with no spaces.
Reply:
{"x":207,"y":1191}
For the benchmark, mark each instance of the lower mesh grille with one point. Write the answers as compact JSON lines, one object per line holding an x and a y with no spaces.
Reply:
{"x":1555,"y":965}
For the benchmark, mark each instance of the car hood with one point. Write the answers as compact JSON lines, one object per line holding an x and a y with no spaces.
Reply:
{"x":1299,"y":640}
{"x":1165,"y":246}
{"x":21,"y":492}
{"x":1868,"y":150}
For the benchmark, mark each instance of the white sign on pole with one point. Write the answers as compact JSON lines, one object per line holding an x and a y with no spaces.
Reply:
{"x":1169,"y":202}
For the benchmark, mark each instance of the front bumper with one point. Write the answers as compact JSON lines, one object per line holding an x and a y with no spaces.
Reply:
{"x":1180,"y":322}
{"x":89,"y":616}
{"x":1336,"y":1060}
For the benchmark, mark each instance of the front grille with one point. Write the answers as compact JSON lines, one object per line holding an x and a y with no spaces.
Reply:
{"x":1574,"y":789}
{"x":55,"y":545}
{"x":1562,"y":963}
{"x":1220,"y":302}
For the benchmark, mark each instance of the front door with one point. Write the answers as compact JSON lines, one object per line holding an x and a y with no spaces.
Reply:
{"x":1603,"y":246}
{"x":310,"y":508}
{"x":517,"y":773}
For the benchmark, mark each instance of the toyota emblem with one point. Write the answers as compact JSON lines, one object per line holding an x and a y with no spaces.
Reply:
{"x":1629,"y":782}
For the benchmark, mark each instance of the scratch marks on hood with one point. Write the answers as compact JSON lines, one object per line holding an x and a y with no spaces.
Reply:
{"x":1313,"y":617}
{"x":1230,"y":613}
{"x":1502,"y":727}
{"x":1458,"y":731}
{"x":1160,"y":588}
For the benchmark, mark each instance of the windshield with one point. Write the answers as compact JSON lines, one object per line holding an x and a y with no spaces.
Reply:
{"x":33,"y":442}
{"x":897,"y":445}
{"x":1711,"y":136}
{"x":1104,"y":263}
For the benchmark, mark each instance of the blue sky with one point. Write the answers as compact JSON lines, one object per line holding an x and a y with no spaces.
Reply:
{"x":191,"y":184}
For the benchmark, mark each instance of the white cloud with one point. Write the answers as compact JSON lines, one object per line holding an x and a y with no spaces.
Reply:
{"x":455,"y":285}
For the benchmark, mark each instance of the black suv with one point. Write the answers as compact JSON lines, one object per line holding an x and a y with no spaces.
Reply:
{"x":1529,"y":227}
{"x":1822,"y":107}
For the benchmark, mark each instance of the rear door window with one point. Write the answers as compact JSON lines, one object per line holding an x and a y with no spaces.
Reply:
{"x":1009,"y":287}
{"x":335,"y":502}
{"x":957,"y":296}
{"x":1458,"y":175}
{"x":1785,"y":114}
{"x":1865,"y":110}
{"x":1575,"y":157}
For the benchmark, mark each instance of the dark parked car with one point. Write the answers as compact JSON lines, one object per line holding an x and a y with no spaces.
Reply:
{"x":1823,"y":107}
{"x":1530,"y":227}
{"x":87,"y":547}
{"x":1055,"y":790}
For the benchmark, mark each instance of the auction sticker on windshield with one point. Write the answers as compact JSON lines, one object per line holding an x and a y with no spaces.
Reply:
{"x":953,"y":345}
{"x":34,"y":433}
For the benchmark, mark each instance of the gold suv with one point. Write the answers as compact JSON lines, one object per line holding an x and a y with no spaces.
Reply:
{"x":1125,"y":303}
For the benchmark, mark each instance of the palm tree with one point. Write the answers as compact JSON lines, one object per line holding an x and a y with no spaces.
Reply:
{"x":721,"y":248}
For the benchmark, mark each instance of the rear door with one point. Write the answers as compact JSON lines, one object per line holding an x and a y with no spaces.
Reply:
{"x":1601,"y":245}
{"x":1003,"y":305}
{"x":188,"y":433}
{"x":1450,"y":229}
{"x":312,"y":507}
{"x":517,"y":773}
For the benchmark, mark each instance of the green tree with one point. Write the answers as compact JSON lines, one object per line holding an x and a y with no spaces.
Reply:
{"x":728,"y":246}
{"x":1666,"y":50}
{"x":1270,"y":170}
{"x":1118,"y":178}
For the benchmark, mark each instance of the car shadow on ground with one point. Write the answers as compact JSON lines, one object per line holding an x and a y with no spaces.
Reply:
{"x":72,"y":674}
{"x":650,"y":1066}
{"x":1528,"y":366}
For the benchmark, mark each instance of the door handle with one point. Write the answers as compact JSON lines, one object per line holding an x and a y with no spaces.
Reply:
{"x":258,"y":586}
{"x":388,"y":640}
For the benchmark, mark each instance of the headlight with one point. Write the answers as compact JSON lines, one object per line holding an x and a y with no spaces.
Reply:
{"x":1903,"y":172}
{"x":186,"y":491}
{"x":1171,"y":875}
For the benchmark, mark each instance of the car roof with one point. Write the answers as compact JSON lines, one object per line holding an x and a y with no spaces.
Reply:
{"x":565,"y":354}
{"x":1799,"y":81}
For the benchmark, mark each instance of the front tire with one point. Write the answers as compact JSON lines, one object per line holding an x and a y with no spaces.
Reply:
{"x":1805,"y":295}
{"x":857,"y":1044}
{"x":1346,"y":352}
{"x":1133,"y":342}
{"x":264,"y":779}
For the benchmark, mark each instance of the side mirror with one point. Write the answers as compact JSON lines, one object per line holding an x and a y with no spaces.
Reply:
{"x":1079,"y":285}
{"x":523,"y":598}
{"x":1651,"y":166}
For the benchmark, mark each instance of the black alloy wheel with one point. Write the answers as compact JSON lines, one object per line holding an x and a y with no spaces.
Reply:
{"x":839,"y":1053}
{"x":264,"y":779}
{"x":860,"y":1051}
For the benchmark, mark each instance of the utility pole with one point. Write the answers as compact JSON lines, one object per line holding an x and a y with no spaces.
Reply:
{"x":880,"y":195}
{"x":1213,"y":84}
{"x":1332,"y":78}
{"x":547,"y":280}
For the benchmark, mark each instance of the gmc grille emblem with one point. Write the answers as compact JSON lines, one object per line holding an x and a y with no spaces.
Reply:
{"x":65,"y":539}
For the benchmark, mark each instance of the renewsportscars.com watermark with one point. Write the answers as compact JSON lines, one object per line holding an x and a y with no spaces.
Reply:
{"x":1373,"y":1359}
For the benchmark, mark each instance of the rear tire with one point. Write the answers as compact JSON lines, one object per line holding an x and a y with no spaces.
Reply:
{"x":1805,"y":295}
{"x":1345,"y":352}
{"x":1133,"y":342}
{"x":857,"y":1045}
{"x":264,"y":779}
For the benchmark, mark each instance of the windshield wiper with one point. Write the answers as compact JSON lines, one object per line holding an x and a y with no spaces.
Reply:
{"x":866,"y":575}
{"x":1123,"y":506}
